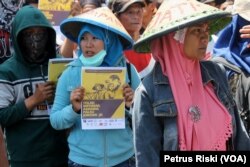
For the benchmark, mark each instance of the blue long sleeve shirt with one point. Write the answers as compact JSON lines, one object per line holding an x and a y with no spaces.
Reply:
{"x":89,"y":147}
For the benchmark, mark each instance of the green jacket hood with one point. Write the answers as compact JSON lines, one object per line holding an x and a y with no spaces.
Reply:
{"x":26,"y":17}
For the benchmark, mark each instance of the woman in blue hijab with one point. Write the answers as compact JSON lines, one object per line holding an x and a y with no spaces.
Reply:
{"x":106,"y":56}
{"x":100,"y":46}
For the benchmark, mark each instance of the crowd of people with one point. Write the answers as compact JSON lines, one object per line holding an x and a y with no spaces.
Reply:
{"x":186,"y":87}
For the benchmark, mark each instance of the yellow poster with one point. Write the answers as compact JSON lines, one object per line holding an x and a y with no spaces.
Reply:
{"x":55,"y":10}
{"x":56,"y":67}
{"x":103,"y":106}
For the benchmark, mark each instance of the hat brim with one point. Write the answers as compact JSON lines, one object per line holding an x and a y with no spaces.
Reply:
{"x":207,"y":1}
{"x":241,"y":7}
{"x":125,"y":7}
{"x":143,"y":44}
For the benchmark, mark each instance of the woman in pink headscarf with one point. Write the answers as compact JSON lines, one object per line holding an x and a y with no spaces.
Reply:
{"x":185,"y":103}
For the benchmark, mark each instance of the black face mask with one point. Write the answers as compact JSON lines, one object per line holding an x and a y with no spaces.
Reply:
{"x":34,"y":45}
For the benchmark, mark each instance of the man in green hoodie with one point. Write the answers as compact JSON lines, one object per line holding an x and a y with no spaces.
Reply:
{"x":26,"y":96}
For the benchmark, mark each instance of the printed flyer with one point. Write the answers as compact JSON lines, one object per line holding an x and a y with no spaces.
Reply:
{"x":56,"y":67}
{"x":103,"y":106}
{"x":55,"y":10}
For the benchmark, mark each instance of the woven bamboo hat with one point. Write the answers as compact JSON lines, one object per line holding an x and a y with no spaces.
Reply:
{"x":242,"y":7}
{"x":100,"y":17}
{"x":173,"y":15}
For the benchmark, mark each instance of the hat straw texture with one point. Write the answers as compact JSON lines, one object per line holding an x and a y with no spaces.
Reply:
{"x":242,"y":7}
{"x":175,"y":15}
{"x":100,"y":17}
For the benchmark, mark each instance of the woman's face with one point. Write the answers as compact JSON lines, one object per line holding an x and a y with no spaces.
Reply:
{"x":90,"y":45}
{"x":196,"y":40}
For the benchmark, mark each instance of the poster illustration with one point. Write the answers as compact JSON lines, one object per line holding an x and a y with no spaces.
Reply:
{"x":103,"y":106}
{"x":55,"y":10}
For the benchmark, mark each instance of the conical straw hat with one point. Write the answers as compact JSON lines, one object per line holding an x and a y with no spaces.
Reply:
{"x":101,"y":17}
{"x":174,"y":15}
{"x":242,"y":7}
